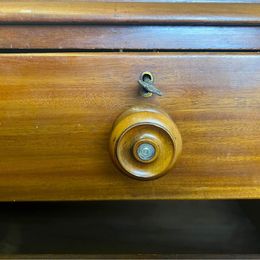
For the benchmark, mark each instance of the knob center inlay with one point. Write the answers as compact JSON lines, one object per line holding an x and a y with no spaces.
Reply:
{"x":146,"y":152}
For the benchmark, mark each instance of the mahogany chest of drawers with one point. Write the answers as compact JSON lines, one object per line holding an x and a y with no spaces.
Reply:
{"x":184,"y":75}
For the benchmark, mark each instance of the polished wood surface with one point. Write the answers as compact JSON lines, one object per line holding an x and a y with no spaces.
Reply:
{"x":57,"y":111}
{"x":93,"y":37}
{"x":76,"y":11}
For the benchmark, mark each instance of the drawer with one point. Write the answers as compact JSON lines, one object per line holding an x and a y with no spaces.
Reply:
{"x":57,"y":112}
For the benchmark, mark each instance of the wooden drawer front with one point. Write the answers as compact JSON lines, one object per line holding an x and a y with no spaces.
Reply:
{"x":57,"y":111}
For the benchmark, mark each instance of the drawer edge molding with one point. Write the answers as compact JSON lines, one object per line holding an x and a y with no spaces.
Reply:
{"x":68,"y":12}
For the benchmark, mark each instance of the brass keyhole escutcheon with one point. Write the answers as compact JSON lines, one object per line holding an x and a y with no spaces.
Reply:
{"x":145,"y":143}
{"x":147,"y":87}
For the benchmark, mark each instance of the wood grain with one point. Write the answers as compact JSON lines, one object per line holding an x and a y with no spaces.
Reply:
{"x":65,"y":11}
{"x":30,"y":37}
{"x":57,"y":111}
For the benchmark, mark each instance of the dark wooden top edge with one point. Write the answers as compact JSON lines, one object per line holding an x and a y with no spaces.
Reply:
{"x":131,"y":256}
{"x":82,"y":12}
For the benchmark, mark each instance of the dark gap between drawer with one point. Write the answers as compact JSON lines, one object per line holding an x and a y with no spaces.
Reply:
{"x":131,"y":227}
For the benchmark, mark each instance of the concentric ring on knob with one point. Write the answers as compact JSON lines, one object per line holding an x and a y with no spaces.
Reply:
{"x":145,"y":142}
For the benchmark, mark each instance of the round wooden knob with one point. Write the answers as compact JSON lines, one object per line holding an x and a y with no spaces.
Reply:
{"x":145,"y":143}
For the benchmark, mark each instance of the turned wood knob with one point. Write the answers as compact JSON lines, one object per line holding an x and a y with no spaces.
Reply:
{"x":145,"y":143}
